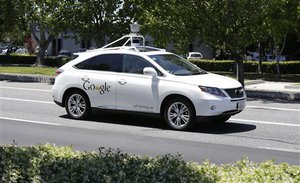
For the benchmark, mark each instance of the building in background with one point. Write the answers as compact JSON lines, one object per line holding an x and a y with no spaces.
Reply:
{"x":66,"y":41}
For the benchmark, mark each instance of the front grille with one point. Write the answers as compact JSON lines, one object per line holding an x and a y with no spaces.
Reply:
{"x":235,"y":92}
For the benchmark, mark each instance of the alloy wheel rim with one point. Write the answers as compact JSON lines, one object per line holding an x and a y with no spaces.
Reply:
{"x":76,"y":105}
{"x":178,"y":115}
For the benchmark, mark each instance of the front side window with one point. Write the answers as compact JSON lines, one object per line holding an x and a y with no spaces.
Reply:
{"x":176,"y":65}
{"x":107,"y":62}
{"x":134,"y":64}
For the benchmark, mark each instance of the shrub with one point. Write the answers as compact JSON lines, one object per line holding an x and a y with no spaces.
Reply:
{"x":214,"y":65}
{"x":23,"y":60}
{"x":47,"y":163}
{"x":287,"y":67}
{"x":30,"y":60}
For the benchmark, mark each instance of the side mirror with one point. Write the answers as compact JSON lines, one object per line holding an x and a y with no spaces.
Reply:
{"x":150,"y":71}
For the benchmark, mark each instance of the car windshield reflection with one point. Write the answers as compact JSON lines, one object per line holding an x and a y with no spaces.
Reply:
{"x":176,"y":65}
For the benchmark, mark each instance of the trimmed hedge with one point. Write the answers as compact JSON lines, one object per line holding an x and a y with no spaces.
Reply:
{"x":30,"y":60}
{"x":47,"y":163}
{"x":287,"y":67}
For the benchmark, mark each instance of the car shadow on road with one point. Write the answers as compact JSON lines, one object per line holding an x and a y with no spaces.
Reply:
{"x":223,"y":128}
{"x":154,"y":122}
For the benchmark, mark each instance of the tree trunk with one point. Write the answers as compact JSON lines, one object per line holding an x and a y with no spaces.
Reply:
{"x":275,"y":56}
{"x":240,"y":67}
{"x":40,"y":57}
{"x":260,"y":57}
{"x":43,"y":45}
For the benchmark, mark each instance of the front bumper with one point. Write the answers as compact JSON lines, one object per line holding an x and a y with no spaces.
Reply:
{"x":58,"y":103}
{"x":219,"y":107}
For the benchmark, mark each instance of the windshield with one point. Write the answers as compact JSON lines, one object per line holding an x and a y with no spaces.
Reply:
{"x":176,"y":65}
{"x":196,"y":55}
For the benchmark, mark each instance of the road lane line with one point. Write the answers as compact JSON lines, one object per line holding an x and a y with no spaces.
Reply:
{"x":30,"y":121}
{"x":280,"y":149}
{"x":265,"y":122}
{"x":28,"y":89}
{"x":273,"y":108}
{"x":25,"y":100}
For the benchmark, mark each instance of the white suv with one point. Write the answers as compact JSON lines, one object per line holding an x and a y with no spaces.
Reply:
{"x":154,"y":82}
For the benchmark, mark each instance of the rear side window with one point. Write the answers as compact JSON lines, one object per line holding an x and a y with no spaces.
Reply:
{"x":107,"y":62}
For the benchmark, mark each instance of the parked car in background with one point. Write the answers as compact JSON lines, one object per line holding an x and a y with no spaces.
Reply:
{"x":22,"y":51}
{"x":271,"y":58}
{"x":11,"y":49}
{"x":254,"y":56}
{"x":194,"y":55}
{"x":4,"y":51}
{"x":64,"y":54}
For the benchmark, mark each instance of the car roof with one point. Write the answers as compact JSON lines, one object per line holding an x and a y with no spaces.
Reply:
{"x":120,"y":51}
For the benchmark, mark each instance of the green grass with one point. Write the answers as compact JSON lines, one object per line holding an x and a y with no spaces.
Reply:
{"x":29,"y":70}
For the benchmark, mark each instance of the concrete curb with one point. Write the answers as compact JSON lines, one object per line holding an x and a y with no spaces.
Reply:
{"x":254,"y":82}
{"x":292,"y":87}
{"x":251,"y":93}
{"x":27,"y":78}
{"x":284,"y":95}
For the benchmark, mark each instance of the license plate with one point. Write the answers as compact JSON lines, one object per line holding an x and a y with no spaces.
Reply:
{"x":240,"y":105}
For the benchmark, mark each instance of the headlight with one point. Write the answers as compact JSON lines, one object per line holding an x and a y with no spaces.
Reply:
{"x":212,"y":90}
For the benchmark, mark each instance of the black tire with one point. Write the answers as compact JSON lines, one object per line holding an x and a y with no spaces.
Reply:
{"x":179,"y":114}
{"x":77,"y":105}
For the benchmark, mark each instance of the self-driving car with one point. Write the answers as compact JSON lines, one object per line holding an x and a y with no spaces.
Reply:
{"x":143,"y":79}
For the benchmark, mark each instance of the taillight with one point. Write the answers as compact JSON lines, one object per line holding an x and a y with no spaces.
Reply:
{"x":58,"y":72}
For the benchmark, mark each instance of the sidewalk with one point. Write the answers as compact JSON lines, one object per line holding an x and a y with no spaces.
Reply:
{"x":254,"y":88}
{"x":274,"y":90}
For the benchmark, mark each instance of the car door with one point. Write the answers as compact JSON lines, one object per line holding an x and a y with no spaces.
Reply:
{"x":136,"y":91}
{"x":98,"y":79}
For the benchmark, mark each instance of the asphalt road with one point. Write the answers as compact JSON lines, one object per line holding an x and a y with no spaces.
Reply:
{"x":267,"y":129}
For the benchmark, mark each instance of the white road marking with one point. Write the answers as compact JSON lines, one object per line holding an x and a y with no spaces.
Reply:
{"x":264,"y":122}
{"x":280,"y":149}
{"x":28,"y":89}
{"x":25,"y":100}
{"x":274,"y":108}
{"x":30,"y":121}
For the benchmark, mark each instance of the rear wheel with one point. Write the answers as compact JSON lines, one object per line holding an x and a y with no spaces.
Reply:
{"x":179,"y":114}
{"x":77,"y":104}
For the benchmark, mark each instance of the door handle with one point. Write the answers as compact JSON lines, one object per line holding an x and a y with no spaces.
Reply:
{"x":122,"y":82}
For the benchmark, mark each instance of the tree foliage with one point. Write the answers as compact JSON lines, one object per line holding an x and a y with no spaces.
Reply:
{"x":99,"y":20}
{"x":224,"y":24}
{"x":281,"y":18}
{"x":13,"y":26}
{"x":48,"y":15}
{"x":228,"y":25}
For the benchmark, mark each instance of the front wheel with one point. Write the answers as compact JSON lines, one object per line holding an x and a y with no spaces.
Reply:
{"x":77,"y":105}
{"x":179,"y":114}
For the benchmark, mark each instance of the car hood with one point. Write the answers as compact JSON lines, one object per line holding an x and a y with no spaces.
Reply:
{"x":211,"y":80}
